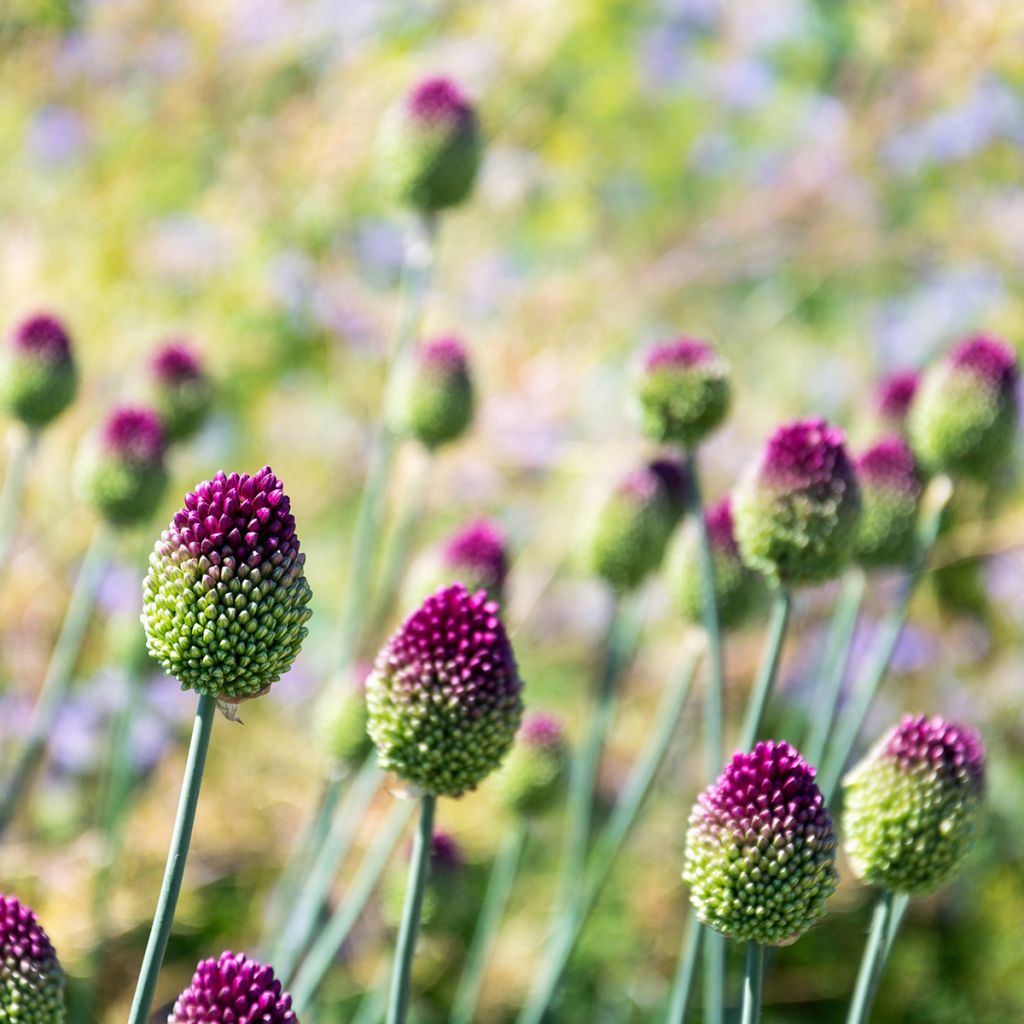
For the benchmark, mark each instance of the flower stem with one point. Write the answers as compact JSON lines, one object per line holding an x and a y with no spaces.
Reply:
{"x":875,"y":952}
{"x":58,"y":675}
{"x":401,"y":978}
{"x":329,"y":940}
{"x":301,"y":923}
{"x":682,"y":984}
{"x":163,"y":919}
{"x":870,"y":678}
{"x":22,"y":445}
{"x":833,"y":669}
{"x":412,"y":290}
{"x":499,"y":887}
{"x":753,"y":976}
{"x":758,"y":702}
{"x":607,"y":847}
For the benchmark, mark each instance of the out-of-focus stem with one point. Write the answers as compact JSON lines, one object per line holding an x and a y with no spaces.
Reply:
{"x":686,"y":970}
{"x":753,"y":975}
{"x":875,"y":952}
{"x":22,"y":445}
{"x":762,"y":689}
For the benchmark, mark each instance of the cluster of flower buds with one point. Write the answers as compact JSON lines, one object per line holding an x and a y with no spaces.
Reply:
{"x":233,"y":990}
{"x":438,"y":402}
{"x":182,"y":391}
{"x":533,"y":777}
{"x":476,"y":555}
{"x":342,"y":718}
{"x":38,"y":379}
{"x":891,"y":488}
{"x":31,"y":978}
{"x":893,"y":399}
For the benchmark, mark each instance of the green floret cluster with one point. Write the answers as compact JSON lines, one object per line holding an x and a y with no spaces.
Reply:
{"x":438,"y":406}
{"x":534,"y":774}
{"x":31,"y":993}
{"x":888,"y":524}
{"x":36,"y":391}
{"x":683,"y":405}
{"x":341,"y":725}
{"x":123,"y":491}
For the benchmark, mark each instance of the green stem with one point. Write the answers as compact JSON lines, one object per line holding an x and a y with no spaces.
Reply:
{"x":405,"y":949}
{"x":686,"y":970}
{"x":22,"y":445}
{"x":875,"y":952}
{"x":607,"y":847}
{"x":758,"y":702}
{"x":412,"y":290}
{"x":753,"y":976}
{"x":876,"y":666}
{"x":163,"y":919}
{"x":301,"y":923}
{"x":833,"y":669}
{"x":58,"y":675}
{"x":499,"y":887}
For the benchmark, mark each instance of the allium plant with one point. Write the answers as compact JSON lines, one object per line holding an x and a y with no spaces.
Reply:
{"x":964,"y":418}
{"x":912,"y":804}
{"x":437,"y":407}
{"x":761,"y":848}
{"x":636,"y":523}
{"x":38,"y":377}
{"x":891,"y":489}
{"x":476,"y":555}
{"x":431,"y":147}
{"x":342,"y":717}
{"x":893,"y":399}
{"x":122,"y":472}
{"x":233,"y":990}
{"x":447,"y":904}
{"x":684,"y":392}
{"x":797,"y":511}
{"x":182,"y":390}
{"x":534,"y":775}
{"x":31,"y":978}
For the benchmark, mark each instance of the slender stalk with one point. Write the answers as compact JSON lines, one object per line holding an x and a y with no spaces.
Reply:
{"x":875,"y":952}
{"x":401,"y":978}
{"x":163,"y":919}
{"x":876,"y":666}
{"x":22,"y":445}
{"x":415,"y":278}
{"x":714,"y":944}
{"x":499,"y":887}
{"x":58,"y":677}
{"x":607,"y":847}
{"x":900,"y":903}
{"x":753,"y":976}
{"x":686,"y":970}
{"x":833,"y":668}
{"x":758,"y":702}
{"x":301,"y":924}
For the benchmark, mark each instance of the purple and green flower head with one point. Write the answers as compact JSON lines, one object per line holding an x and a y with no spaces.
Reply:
{"x":535,"y":773}
{"x":684,"y":391}
{"x":797,"y":511}
{"x":342,"y":718}
{"x":636,"y":522}
{"x":122,"y":471}
{"x":182,"y":391}
{"x":476,"y":555}
{"x":891,"y":489}
{"x":911,"y":806}
{"x":38,"y":377}
{"x":445,"y":697}
{"x":964,"y":418}
{"x":31,"y":978}
{"x":431,"y":147}
{"x":437,"y":406}
{"x":448,"y":903}
{"x":233,"y":990}
{"x":761,"y":848}
{"x":894,"y":397}
{"x":739,"y":590}
{"x":226,"y":598}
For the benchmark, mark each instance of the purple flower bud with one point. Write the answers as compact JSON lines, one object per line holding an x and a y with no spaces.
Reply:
{"x":797,"y":511}
{"x":437,"y":406}
{"x":44,"y":337}
{"x":894,"y":397}
{"x":760,"y":851}
{"x":134,"y":434}
{"x":439,"y":100}
{"x":31,"y":979}
{"x":475,"y":555}
{"x":445,"y":697}
{"x":445,"y":852}
{"x":891,"y":492}
{"x":38,"y":378}
{"x":233,"y":990}
{"x":182,"y":390}
{"x":534,"y":776}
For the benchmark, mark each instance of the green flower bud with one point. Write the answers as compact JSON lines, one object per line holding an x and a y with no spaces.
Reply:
{"x":534,"y":775}
{"x":38,"y":379}
{"x":342,"y":718}
{"x":182,"y":391}
{"x":891,"y":493}
{"x":438,"y":403}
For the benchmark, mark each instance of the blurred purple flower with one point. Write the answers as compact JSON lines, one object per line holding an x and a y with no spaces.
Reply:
{"x":56,"y":135}
{"x":119,"y":593}
{"x":744,"y":84}
{"x":75,"y":739}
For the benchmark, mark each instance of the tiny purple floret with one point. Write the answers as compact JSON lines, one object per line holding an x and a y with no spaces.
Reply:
{"x":21,"y":936}
{"x":233,"y":990}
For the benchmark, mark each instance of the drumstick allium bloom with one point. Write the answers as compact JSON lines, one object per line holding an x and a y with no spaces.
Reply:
{"x":182,"y":391}
{"x":31,"y":978}
{"x":891,"y":490}
{"x":233,"y":990}
{"x":38,"y":378}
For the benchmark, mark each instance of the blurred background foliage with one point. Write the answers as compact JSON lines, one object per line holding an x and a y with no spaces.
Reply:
{"x":828,"y":190}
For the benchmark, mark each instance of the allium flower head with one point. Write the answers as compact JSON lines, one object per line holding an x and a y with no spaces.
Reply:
{"x":431,"y":147}
{"x":31,"y":979}
{"x":225,"y":599}
{"x":894,"y":397}
{"x":911,"y":806}
{"x":535,"y":773}
{"x":122,"y":471}
{"x":761,"y":848}
{"x":739,"y":590}
{"x":890,"y":493}
{"x":684,"y":392}
{"x":636,"y":523}
{"x":341,"y":722}
{"x":38,"y":378}
{"x":233,"y":990}
{"x":964,"y":419}
{"x":445,"y":698}
{"x":797,"y":511}
{"x":182,"y":391}
{"x":476,"y":556}
{"x":437,"y":407}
